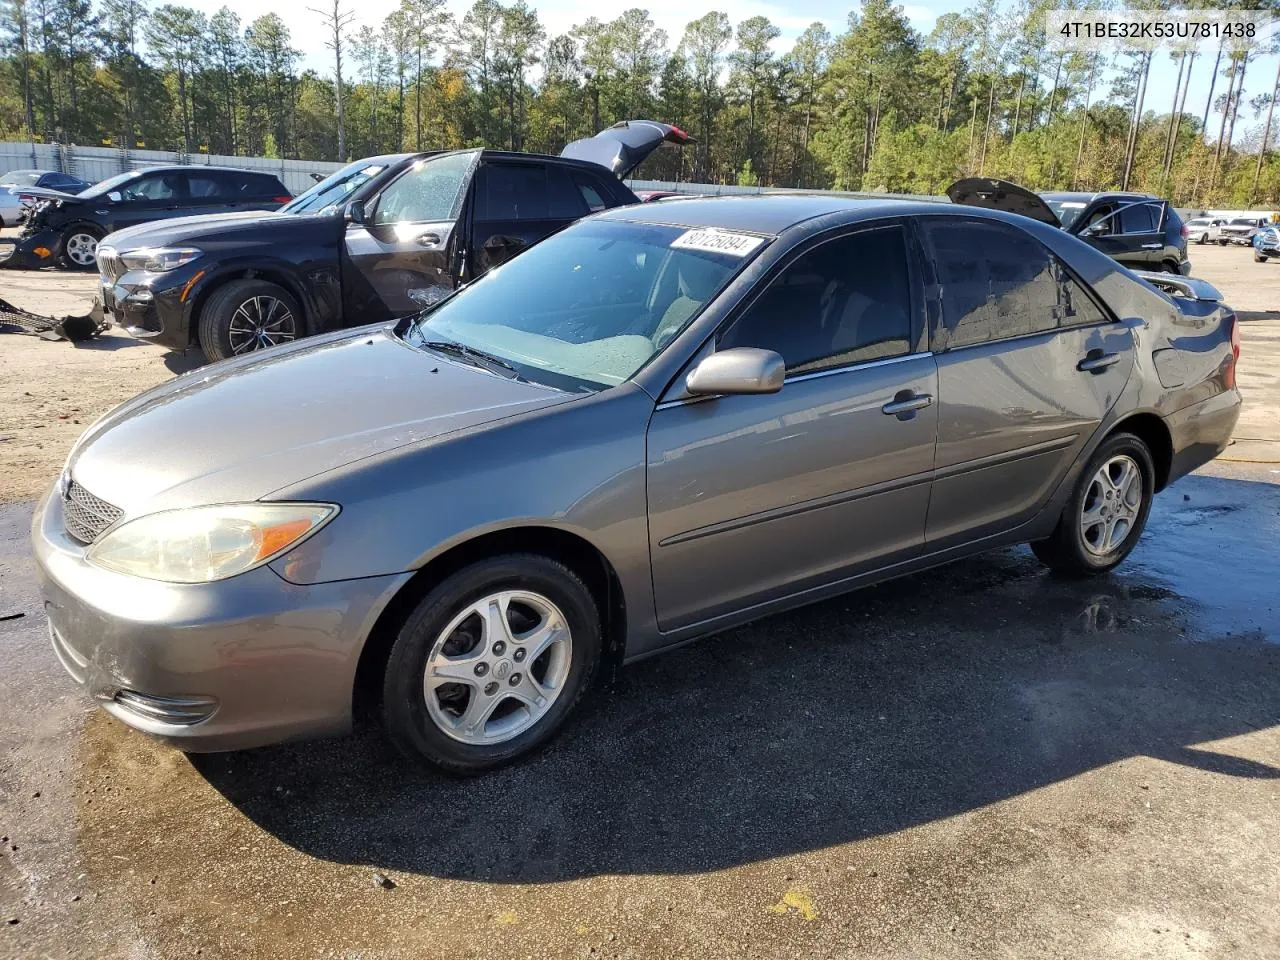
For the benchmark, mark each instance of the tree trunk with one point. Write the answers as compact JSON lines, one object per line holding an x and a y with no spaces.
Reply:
{"x":1140,"y":96}
{"x":1266,"y":137}
{"x":417,"y":102}
{"x":1208,"y":101}
{"x":1179,"y":112}
{"x":986,"y":128}
{"x":808,"y":118}
{"x":973,"y":126}
{"x":1084,"y":124}
{"x":1222,"y":127}
{"x":1017,"y":108}
{"x":1053,"y":94}
{"x":1173,"y":115}
{"x":182,"y":99}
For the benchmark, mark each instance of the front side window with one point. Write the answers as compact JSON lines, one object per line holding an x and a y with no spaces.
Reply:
{"x":428,"y":192}
{"x":588,"y":307}
{"x":846,"y":301}
{"x":160,"y":186}
{"x":999,"y":282}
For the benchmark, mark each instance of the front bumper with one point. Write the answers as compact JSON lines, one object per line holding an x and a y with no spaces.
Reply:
{"x":1243,"y":239}
{"x":244,"y":662}
{"x":155,"y":307}
{"x":34,"y":250}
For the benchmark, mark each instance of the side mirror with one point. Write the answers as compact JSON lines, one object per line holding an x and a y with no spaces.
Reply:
{"x":355,"y":212}
{"x":114,"y":196}
{"x":1098,"y":229}
{"x":737,"y":370}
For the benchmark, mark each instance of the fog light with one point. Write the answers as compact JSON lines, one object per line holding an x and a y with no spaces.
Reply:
{"x":141,"y":295}
{"x":177,"y":710}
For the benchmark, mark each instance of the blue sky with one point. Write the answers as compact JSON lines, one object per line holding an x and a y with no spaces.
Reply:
{"x":672,"y":15}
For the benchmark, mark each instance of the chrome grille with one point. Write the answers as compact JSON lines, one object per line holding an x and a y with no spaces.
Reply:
{"x":110,"y":266}
{"x":86,"y":516}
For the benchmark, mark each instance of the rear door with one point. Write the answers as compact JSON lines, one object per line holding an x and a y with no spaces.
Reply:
{"x":515,"y":204}
{"x":1029,"y":363}
{"x":211,"y":191}
{"x":753,"y":498}
{"x":405,"y":254}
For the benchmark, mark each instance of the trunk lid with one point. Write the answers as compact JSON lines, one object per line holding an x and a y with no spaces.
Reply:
{"x":1001,"y":195}
{"x":622,"y":147}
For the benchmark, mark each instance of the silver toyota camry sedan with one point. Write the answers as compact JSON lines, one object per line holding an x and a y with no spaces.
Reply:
{"x":663,"y":421}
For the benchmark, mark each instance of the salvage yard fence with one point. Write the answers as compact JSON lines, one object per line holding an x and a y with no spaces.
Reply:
{"x":98,"y":163}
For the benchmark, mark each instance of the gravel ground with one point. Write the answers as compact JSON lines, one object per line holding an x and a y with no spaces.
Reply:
{"x":980,"y":761}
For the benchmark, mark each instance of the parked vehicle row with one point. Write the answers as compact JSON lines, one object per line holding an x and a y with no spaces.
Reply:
{"x":661,"y":421}
{"x":15,"y":201}
{"x":66,"y":228}
{"x":380,"y":239}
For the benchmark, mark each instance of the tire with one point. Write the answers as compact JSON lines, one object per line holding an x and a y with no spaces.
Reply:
{"x":1222,"y":242}
{"x":78,"y":247}
{"x":1259,"y":257}
{"x":441,"y":732}
{"x":235,"y":310}
{"x":1170,"y":267}
{"x":1067,"y":551}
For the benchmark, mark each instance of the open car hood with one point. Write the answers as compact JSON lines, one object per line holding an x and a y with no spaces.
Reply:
{"x":1001,"y":195}
{"x":41,"y":193}
{"x":622,"y":147}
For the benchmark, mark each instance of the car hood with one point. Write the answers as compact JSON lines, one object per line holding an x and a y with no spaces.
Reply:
{"x":163,"y":233}
{"x":622,"y":147}
{"x":40,"y":193}
{"x":241,"y":429}
{"x":1002,"y":195}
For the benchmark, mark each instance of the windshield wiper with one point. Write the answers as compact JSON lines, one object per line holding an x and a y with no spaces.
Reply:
{"x":477,"y":358}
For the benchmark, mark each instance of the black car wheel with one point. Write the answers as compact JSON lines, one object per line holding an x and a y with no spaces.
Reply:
{"x":1104,"y":518}
{"x":78,"y":248}
{"x":491,"y":663}
{"x":247,"y":315}
{"x":1259,"y":257}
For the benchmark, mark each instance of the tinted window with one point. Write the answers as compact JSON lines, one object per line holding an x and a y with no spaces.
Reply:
{"x":999,"y":282}
{"x":846,"y":301}
{"x":590,"y":193}
{"x":428,"y":191}
{"x":159,"y":186}
{"x":1139,"y":218}
{"x":512,"y":192}
{"x":564,"y":202}
{"x":208,"y":186}
{"x":260,"y":185}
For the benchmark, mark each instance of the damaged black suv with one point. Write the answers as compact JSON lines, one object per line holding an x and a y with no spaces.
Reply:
{"x":379,"y":239}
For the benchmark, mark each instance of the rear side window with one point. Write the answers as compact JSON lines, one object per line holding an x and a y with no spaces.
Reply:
{"x":999,"y":282}
{"x":564,"y":201}
{"x":1139,"y":218}
{"x":845,"y":301}
{"x":258,"y":185}
{"x":206,"y":186}
{"x":512,"y":191}
{"x":590,"y":191}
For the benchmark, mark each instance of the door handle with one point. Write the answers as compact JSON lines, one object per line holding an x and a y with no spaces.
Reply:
{"x":1095,"y":361}
{"x":1152,"y":246}
{"x":427,"y":239}
{"x":905,"y":404}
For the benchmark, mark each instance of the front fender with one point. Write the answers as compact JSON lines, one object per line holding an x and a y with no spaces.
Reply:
{"x":316,"y":285}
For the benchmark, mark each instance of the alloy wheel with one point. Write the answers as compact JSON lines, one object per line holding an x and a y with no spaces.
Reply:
{"x":498,"y":667}
{"x":1111,"y":505}
{"x":261,"y":322}
{"x":82,"y":249}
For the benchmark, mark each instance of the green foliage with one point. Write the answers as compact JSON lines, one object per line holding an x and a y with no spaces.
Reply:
{"x":878,"y":106}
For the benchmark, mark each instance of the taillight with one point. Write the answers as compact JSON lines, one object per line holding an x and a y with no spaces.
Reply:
{"x":1185,"y":232}
{"x":1230,"y":377}
{"x":281,"y":199}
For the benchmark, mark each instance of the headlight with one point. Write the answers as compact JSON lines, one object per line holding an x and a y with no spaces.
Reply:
{"x":159,"y":260}
{"x":203,"y":544}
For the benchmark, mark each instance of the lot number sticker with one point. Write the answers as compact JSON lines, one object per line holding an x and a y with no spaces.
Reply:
{"x":717,"y":241}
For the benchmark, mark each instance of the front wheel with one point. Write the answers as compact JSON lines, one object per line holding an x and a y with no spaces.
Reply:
{"x":491,"y":663}
{"x":248,"y":315}
{"x":1106,"y":513}
{"x":1203,"y":239}
{"x":78,"y":249}
{"x":1259,"y":257}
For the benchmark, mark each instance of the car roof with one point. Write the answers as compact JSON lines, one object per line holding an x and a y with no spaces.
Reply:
{"x":197,"y":168}
{"x":770,"y":214}
{"x":1095,"y":195}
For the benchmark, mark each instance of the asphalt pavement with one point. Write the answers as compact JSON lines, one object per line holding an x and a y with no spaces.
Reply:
{"x":978,"y":761}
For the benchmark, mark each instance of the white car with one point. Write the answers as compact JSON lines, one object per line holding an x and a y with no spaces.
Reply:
{"x":10,"y":207}
{"x":1204,"y":229}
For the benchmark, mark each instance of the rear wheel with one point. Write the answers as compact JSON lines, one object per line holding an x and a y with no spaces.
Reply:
{"x":1222,"y":241}
{"x":1203,"y":238}
{"x":248,"y":315}
{"x":1259,"y":257}
{"x":78,"y":249}
{"x":491,"y":663}
{"x":1104,"y":518}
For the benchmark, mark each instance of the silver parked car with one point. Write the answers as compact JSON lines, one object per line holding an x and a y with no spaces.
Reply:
{"x":1204,"y":230}
{"x":663,"y":421}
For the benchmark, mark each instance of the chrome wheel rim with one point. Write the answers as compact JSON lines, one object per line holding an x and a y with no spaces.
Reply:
{"x":261,"y":322}
{"x":498,"y":667}
{"x":82,"y":249}
{"x":1111,"y":504}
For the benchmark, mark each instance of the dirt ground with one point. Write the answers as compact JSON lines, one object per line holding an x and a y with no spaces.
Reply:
{"x":49,"y":392}
{"x":981,"y":761}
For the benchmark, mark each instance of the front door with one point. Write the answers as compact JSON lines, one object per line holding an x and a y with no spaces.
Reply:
{"x":516,"y":204}
{"x":753,"y":498}
{"x":401,"y":258}
{"x":1129,"y":232}
{"x":1028,"y":366}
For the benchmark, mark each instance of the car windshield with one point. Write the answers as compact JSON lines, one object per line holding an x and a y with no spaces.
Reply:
{"x":1065,"y":210}
{"x":1199,"y":222}
{"x":21,"y":178}
{"x":589,"y":306}
{"x":331,"y":192}
{"x":1243,"y":222}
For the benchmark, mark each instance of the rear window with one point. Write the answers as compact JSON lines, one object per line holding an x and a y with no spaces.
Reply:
{"x":21,"y":178}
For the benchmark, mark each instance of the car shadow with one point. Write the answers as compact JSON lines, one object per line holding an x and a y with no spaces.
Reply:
{"x":107,"y":342}
{"x":897,"y":705}
{"x":184,"y":362}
